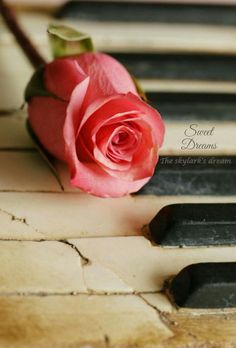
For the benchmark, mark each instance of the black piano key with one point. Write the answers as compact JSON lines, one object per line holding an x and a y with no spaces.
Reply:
{"x":148,"y":12}
{"x":194,"y":106}
{"x":193,"y":225}
{"x":193,"y":175}
{"x":205,"y":285}
{"x":179,"y":66}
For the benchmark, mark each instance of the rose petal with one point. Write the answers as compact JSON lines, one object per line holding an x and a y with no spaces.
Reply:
{"x":62,"y":75}
{"x":72,"y":121}
{"x":111,"y":156}
{"x":105,"y":136}
{"x":47,"y":117}
{"x":91,"y":178}
{"x":151,"y":116}
{"x":107,"y":76}
{"x":109,"y":165}
{"x":111,"y":109}
{"x":89,"y":135}
{"x":144,"y":159}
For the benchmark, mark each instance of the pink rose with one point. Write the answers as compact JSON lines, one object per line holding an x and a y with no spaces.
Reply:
{"x":96,"y":122}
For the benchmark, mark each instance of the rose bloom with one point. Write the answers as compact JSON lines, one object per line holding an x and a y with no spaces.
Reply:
{"x":96,"y":123}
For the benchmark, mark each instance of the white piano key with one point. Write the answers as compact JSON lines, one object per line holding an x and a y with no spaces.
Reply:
{"x":142,"y":266}
{"x":188,"y":86}
{"x":160,"y":37}
{"x":52,"y":216}
{"x":15,"y":72}
{"x":159,"y":301}
{"x":101,"y":279}
{"x":26,"y":171}
{"x":120,"y":36}
{"x":40,"y":267}
{"x":13,"y":132}
{"x":80,"y":321}
{"x":219,"y":142}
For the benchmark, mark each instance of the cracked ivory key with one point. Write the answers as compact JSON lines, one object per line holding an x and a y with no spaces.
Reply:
{"x":39,"y":267}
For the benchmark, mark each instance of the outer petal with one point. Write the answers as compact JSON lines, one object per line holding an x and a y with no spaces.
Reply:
{"x":107,"y":76}
{"x":91,"y":178}
{"x":72,"y":121}
{"x":62,"y":75}
{"x":47,"y":117}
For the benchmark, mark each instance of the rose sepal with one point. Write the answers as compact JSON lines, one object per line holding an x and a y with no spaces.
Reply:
{"x":36,"y":86}
{"x":66,"y":41}
{"x":139,"y":89}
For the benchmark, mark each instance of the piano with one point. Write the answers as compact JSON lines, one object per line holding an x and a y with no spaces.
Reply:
{"x":153,"y":269}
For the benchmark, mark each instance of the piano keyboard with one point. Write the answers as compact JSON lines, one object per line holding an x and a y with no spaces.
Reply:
{"x":153,"y":269}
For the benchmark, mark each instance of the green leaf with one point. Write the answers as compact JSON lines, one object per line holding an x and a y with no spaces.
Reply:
{"x":139,"y":89}
{"x":45,"y":155}
{"x":66,"y":41}
{"x":36,"y":86}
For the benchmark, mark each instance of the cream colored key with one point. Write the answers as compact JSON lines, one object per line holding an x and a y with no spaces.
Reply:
{"x":80,"y":321}
{"x":187,"y":86}
{"x":122,"y":36}
{"x":26,"y":171}
{"x":106,"y":321}
{"x":40,"y":267}
{"x":13,"y":76}
{"x":187,"y":138}
{"x":142,"y":266}
{"x":71,"y":215}
{"x":13,"y":132}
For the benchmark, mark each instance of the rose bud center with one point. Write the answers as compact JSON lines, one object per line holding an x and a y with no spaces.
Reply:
{"x":123,"y":143}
